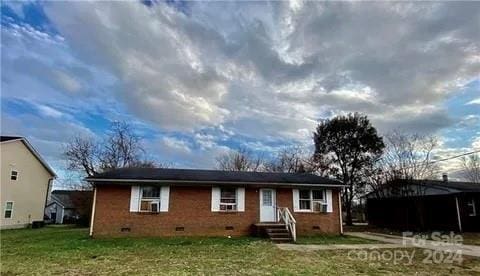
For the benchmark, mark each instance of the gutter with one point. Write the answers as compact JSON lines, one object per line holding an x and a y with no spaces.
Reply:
{"x":92,"y":216}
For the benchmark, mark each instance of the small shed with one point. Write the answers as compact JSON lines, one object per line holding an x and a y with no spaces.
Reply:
{"x":69,"y":206}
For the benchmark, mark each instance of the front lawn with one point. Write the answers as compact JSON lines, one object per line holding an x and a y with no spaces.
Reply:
{"x":471,"y":238}
{"x":50,"y":251}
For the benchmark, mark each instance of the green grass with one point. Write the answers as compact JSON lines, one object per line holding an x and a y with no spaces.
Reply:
{"x":334,"y":239}
{"x":67,"y":251}
{"x":471,"y":238}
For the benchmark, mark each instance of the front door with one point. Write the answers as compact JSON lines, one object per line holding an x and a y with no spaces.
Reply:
{"x":267,"y":205}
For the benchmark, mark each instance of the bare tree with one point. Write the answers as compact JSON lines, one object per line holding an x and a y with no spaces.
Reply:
{"x":289,"y":160}
{"x":409,"y":156}
{"x":406,"y":157}
{"x":240,"y":160}
{"x":120,"y":148}
{"x":471,"y":167}
{"x":405,"y":163}
{"x":82,"y":154}
{"x":293,"y":159}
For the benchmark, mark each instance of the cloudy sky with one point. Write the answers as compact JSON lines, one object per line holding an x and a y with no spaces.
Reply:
{"x":196,"y":79}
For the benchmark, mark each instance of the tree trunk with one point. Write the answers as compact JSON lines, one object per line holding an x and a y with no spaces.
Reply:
{"x":348,"y":203}
{"x":348,"y":210}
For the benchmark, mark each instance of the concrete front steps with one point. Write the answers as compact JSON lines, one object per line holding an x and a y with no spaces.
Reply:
{"x":276,"y":232}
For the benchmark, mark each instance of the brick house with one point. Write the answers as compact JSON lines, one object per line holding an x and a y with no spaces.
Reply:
{"x":178,"y":202}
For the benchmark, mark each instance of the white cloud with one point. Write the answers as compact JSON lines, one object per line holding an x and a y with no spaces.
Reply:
{"x":176,"y":144}
{"x":476,"y":143}
{"x":275,"y":69}
{"x":49,"y":111}
{"x":474,"y":101}
{"x":226,"y":70}
{"x":181,"y":153}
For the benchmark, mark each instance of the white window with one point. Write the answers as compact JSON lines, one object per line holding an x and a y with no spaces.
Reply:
{"x":228,"y":199}
{"x":8,"y":209}
{"x":312,"y":200}
{"x":150,"y":199}
{"x":305,"y":200}
{"x":13,"y":175}
{"x":471,"y":208}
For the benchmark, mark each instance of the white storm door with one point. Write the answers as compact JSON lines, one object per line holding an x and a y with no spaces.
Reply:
{"x":267,"y":205}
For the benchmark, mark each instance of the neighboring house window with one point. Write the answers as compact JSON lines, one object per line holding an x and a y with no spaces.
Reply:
{"x":311,"y":200}
{"x":150,"y":199}
{"x":471,"y":208}
{"x":228,"y":199}
{"x":8,"y":209}
{"x":14,"y":175}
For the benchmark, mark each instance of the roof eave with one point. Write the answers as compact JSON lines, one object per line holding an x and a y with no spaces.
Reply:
{"x":339,"y":185}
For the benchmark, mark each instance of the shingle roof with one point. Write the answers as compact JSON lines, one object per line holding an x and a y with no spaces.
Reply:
{"x":8,"y":138}
{"x":453,"y":185}
{"x":436,"y":187}
{"x":189,"y":175}
{"x":71,"y":198}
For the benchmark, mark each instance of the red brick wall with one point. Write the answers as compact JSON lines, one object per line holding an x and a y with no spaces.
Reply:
{"x":311,"y":223}
{"x":190,"y":207}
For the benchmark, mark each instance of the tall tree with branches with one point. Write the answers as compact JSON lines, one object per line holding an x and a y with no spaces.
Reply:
{"x":471,"y":167}
{"x":240,"y":159}
{"x":349,"y":145}
{"x":119,"y":149}
{"x":406,"y":157}
{"x":410,"y":156}
{"x":292,"y":159}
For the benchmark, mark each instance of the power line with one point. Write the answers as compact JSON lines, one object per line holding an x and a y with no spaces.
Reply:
{"x":455,"y":156}
{"x":446,"y":159}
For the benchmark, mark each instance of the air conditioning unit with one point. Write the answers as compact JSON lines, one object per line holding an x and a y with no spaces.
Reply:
{"x":319,"y":207}
{"x":154,"y":207}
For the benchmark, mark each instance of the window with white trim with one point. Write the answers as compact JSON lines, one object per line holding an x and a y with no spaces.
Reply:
{"x":150,"y":199}
{"x":8,"y":209}
{"x":228,"y":199}
{"x":311,"y":200}
{"x":471,"y":208}
{"x":13,"y":175}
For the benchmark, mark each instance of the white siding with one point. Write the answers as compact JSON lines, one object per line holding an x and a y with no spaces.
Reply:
{"x":28,"y":192}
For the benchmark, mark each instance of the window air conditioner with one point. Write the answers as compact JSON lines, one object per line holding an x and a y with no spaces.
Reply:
{"x":154,"y":207}
{"x":319,"y":207}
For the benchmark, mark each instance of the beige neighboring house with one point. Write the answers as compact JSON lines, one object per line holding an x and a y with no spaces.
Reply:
{"x":25,"y":181}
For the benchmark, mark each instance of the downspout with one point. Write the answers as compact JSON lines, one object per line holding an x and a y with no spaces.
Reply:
{"x":93,"y":210}
{"x":458,"y":215}
{"x":340,"y":212}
